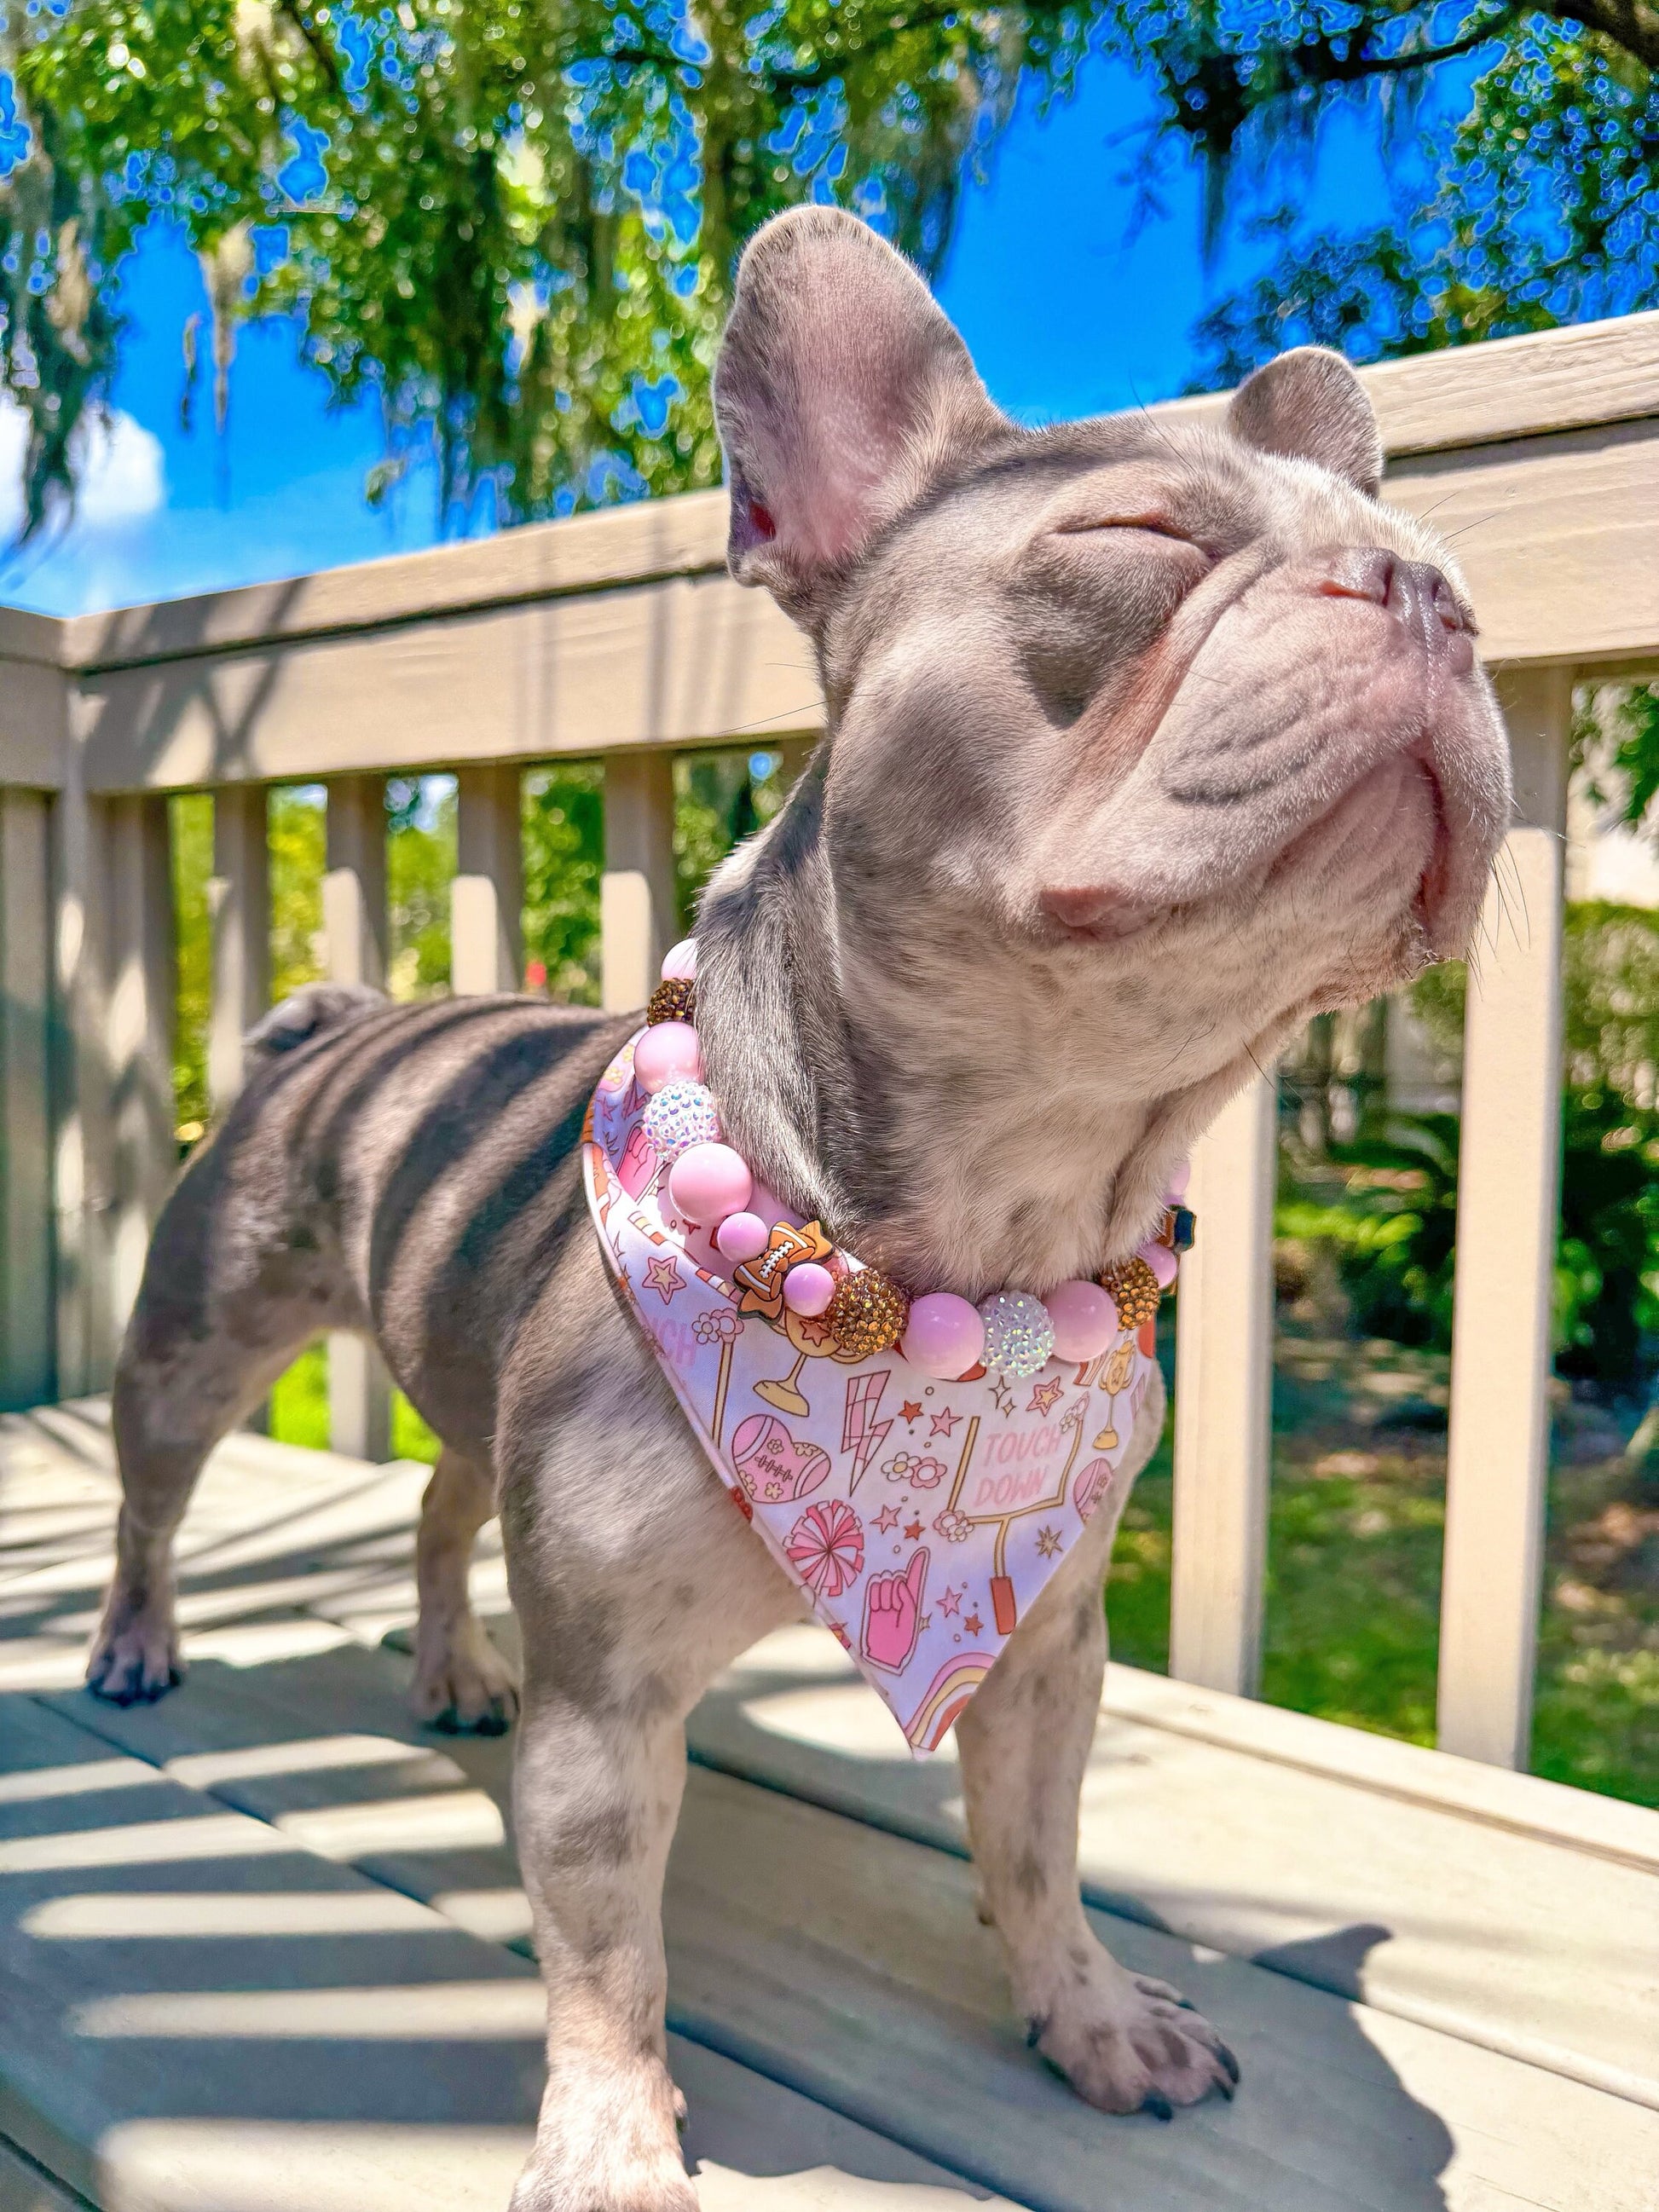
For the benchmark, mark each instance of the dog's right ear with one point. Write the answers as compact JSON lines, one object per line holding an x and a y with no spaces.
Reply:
{"x":840,"y":388}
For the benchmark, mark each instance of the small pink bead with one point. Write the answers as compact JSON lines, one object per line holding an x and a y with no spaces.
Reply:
{"x":1162,"y":1261}
{"x":709,"y":1181}
{"x":808,"y":1288}
{"x":680,"y":962}
{"x":944,"y":1336}
{"x":742,"y":1236}
{"x":1175,"y":1188}
{"x":1085,"y":1319}
{"x":667,"y":1052}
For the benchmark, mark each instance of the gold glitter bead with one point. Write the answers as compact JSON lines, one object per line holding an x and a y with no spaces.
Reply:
{"x":867,"y":1313}
{"x":672,"y":1001}
{"x":1135,"y":1289}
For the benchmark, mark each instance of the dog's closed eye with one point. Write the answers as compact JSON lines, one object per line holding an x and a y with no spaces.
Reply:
{"x":1154,"y":525}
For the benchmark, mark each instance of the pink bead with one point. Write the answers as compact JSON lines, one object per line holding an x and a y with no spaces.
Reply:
{"x":667,"y":1052}
{"x":1162,"y":1261}
{"x":944,"y":1336}
{"x":1085,"y":1319}
{"x":808,"y":1288}
{"x":680,"y":962}
{"x":742,"y":1236}
{"x":1175,"y":1188}
{"x":709,"y":1181}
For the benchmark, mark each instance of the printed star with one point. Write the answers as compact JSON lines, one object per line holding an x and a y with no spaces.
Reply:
{"x":924,"y":1623}
{"x":663,"y":1275}
{"x":943,"y":1424}
{"x":1002,"y":1396}
{"x":910,"y":1411}
{"x":1047,"y":1542}
{"x":1044,"y":1398}
{"x":887,"y":1518}
{"x":950,"y":1602}
{"x":973,"y":1624}
{"x":913,"y":1530}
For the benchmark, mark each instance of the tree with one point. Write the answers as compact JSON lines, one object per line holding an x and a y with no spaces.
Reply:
{"x":511,"y":220}
{"x":1537,"y":204}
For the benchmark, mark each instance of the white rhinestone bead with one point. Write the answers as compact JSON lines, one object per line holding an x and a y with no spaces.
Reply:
{"x":1019,"y":1336}
{"x":680,"y":1115}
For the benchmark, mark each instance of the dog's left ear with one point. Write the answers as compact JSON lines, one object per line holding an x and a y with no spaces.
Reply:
{"x":1310,"y":404}
{"x":841,"y":389}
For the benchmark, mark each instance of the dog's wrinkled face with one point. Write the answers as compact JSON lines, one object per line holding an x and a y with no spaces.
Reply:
{"x":1147,"y":741}
{"x":1121,"y":694}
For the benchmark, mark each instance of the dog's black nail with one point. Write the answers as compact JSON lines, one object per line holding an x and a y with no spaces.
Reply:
{"x":1159,"y":2107}
{"x":1228,"y":2061}
{"x":1033,"y":2030}
{"x":1186,"y":2004}
{"x":1227,"y":2090}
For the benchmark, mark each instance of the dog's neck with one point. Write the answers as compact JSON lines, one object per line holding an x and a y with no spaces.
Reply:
{"x":943,"y":1109}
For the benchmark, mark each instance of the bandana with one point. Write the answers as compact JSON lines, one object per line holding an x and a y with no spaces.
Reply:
{"x":920,"y":1519}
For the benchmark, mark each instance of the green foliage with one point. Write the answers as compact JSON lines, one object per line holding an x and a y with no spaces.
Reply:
{"x":296,"y":834}
{"x":420,"y":866}
{"x":1388,"y":1207}
{"x":190,"y":827}
{"x":563,"y":816}
{"x":1355,"y":1538}
{"x":1529,"y":196}
{"x":513,"y":223}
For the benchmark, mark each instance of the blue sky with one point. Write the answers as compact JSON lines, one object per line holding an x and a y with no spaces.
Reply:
{"x":1072,"y":297}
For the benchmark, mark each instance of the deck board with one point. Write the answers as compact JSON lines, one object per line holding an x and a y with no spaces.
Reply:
{"x":839,"y":2020}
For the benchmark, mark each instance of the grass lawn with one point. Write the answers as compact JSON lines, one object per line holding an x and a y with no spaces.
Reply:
{"x":1356,"y":1517}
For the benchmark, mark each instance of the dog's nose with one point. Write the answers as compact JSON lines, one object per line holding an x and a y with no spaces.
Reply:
{"x":1413,"y":591}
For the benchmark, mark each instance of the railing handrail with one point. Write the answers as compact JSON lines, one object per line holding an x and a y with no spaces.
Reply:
{"x":618,"y":633}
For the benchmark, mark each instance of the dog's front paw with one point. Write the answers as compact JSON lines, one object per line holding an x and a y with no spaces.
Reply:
{"x":611,"y":2177}
{"x":135,"y":1654}
{"x":1128,"y":2044}
{"x":463,"y":1684}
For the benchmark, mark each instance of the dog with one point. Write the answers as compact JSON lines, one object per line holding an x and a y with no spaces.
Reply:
{"x":1145,"y":741}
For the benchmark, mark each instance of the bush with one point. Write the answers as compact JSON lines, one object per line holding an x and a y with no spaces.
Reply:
{"x":1385,"y":1205}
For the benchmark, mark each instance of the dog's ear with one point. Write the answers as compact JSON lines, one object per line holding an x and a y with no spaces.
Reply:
{"x":1310,"y":404}
{"x":840,"y":388}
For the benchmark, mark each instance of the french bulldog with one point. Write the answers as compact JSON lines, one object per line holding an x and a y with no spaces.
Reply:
{"x":1144,"y":741}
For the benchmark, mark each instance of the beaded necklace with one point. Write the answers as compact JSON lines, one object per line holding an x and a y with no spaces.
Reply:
{"x":780,"y":1264}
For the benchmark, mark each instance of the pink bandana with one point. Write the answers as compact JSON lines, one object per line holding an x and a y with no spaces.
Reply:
{"x":921,"y":1518}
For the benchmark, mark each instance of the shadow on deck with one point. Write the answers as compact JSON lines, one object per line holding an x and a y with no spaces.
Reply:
{"x":265,"y":1949}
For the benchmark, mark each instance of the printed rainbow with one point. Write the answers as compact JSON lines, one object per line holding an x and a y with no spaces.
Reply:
{"x":952,"y":1686}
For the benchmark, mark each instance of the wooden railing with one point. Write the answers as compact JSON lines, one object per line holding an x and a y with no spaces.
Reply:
{"x":618,"y":635}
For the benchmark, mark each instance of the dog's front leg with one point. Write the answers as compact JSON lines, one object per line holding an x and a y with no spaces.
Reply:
{"x":635,"y":1581}
{"x":596,"y":1795}
{"x":1126,"y":2043}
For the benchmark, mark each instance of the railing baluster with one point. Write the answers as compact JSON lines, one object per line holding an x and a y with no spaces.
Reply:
{"x":1224,"y":1401}
{"x":485,"y":943}
{"x":637,"y":897}
{"x":239,"y":899}
{"x":26,"y":1328}
{"x":355,"y":925}
{"x":140,"y":1025}
{"x":1498,"y":1455}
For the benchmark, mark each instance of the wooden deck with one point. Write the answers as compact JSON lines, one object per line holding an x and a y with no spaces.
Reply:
{"x":262,"y":1948}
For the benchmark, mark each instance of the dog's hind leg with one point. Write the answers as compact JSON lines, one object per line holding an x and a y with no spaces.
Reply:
{"x":461,"y":1681}
{"x":1126,"y":2043}
{"x":221,"y":1312}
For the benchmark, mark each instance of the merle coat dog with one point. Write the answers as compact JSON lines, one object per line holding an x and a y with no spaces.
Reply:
{"x":1143,"y":742}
